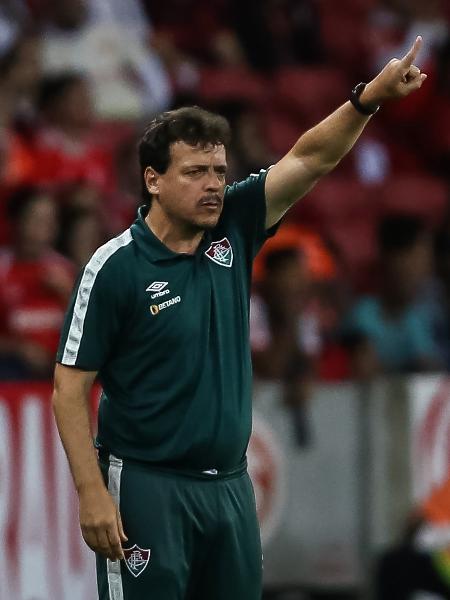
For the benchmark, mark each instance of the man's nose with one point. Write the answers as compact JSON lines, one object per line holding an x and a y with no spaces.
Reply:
{"x":213,"y":182}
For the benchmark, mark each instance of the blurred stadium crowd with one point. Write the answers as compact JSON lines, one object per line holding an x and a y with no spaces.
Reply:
{"x":357,"y":282}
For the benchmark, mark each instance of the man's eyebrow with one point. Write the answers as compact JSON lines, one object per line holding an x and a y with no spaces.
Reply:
{"x":221,"y":167}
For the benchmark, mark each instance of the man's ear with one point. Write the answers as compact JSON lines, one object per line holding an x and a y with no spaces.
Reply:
{"x":151,"y":180}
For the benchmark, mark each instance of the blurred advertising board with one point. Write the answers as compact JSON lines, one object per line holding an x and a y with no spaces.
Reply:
{"x":430,"y":447}
{"x":430,"y":457}
{"x":305,"y":503}
{"x":370,"y":455}
{"x":44,"y":556}
{"x":310,"y":536}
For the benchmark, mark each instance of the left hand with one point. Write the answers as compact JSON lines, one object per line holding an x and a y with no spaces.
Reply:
{"x":398,"y":79}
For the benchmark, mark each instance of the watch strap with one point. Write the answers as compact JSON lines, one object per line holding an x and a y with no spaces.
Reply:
{"x":362,"y":108}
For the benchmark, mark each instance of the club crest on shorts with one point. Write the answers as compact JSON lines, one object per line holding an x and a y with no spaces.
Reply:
{"x":136,"y":559}
{"x":221,"y":252}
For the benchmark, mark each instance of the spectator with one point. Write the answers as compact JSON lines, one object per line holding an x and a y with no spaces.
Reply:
{"x":404,"y":571}
{"x":125,"y":74}
{"x":249,"y":150}
{"x":13,"y":14}
{"x":284,"y":332}
{"x":421,"y":561}
{"x":123,"y":205}
{"x":20,"y":71}
{"x":209,"y":39}
{"x":130,"y":14}
{"x":35,"y":284}
{"x":393,"y":25}
{"x":440,"y":293}
{"x":19,"y":75}
{"x":81,"y":234}
{"x":275,"y":33}
{"x":437,"y":129}
{"x":65,"y":149}
{"x":405,"y":20}
{"x":396,"y":324}
{"x":20,"y":67}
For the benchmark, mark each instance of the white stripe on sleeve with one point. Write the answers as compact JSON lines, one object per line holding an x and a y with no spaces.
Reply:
{"x":91,"y":271}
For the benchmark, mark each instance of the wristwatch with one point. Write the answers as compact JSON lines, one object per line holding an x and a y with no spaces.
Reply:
{"x":354,"y":99}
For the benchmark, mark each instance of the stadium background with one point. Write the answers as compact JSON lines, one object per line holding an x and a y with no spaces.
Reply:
{"x":352,"y":429}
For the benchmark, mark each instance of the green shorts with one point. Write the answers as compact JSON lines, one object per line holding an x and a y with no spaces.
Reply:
{"x":189,"y":538}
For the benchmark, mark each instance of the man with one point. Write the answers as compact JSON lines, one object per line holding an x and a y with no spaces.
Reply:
{"x":285,"y":334}
{"x":126,"y":76}
{"x":395,"y":325}
{"x":160,"y":313}
{"x":420,"y":562}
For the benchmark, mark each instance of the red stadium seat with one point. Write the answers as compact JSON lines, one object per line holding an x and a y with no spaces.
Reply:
{"x":344,"y":211}
{"x":218,"y":85}
{"x":404,"y":157}
{"x":113,"y":133}
{"x":345,"y":35}
{"x":355,"y":243}
{"x":311,"y":93}
{"x":337,"y":200}
{"x":421,"y":195}
{"x":437,"y":132}
{"x":282,"y":130}
{"x":354,"y":7}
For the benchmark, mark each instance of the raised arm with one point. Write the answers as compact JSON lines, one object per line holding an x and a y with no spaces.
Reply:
{"x":321,"y":148}
{"x":100,"y":521}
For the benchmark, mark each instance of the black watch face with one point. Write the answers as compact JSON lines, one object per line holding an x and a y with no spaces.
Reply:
{"x":359,"y":89}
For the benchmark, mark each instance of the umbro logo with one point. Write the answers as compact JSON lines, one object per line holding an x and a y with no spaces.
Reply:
{"x":159,"y":289}
{"x":221,"y":252}
{"x":157,"y":286}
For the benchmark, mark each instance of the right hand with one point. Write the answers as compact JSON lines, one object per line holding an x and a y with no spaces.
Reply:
{"x":398,"y":79}
{"x":100,"y":522}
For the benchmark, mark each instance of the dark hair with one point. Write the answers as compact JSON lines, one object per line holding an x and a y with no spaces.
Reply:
{"x":400,"y":232}
{"x":52,"y":87}
{"x":278,"y":258}
{"x":69,"y":217}
{"x":190,"y":124}
{"x":8,"y":59}
{"x":20,"y":199}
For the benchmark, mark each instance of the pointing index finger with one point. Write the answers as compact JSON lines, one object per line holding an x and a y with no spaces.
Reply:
{"x":410,"y":56}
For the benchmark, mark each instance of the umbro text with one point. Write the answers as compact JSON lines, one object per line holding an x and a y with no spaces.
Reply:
{"x":158,"y":294}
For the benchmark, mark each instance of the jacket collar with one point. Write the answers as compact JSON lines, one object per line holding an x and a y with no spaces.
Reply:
{"x":153,"y":249}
